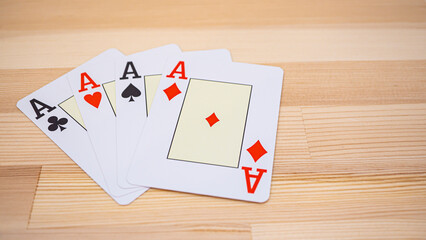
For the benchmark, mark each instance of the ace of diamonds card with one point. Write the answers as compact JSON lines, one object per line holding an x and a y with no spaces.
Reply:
{"x":211,"y":131}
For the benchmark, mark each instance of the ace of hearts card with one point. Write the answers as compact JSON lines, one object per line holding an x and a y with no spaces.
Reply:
{"x":211,"y":130}
{"x":93,"y":85}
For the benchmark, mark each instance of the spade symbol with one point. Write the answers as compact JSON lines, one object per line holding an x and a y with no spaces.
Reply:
{"x":55,"y":123}
{"x":131,"y":91}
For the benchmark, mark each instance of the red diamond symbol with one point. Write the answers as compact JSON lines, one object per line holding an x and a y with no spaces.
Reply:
{"x":172,"y":91}
{"x":212,"y":119}
{"x":256,"y":151}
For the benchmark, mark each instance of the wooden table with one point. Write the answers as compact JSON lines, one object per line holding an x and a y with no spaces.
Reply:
{"x":351,"y":151}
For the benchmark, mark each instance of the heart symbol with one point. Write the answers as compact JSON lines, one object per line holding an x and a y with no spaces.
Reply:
{"x":93,"y":99}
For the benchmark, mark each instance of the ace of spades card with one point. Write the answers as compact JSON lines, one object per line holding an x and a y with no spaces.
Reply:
{"x":93,"y":85}
{"x":137,"y":79}
{"x":53,"y":109}
{"x":133,"y":73}
{"x":211,"y":130}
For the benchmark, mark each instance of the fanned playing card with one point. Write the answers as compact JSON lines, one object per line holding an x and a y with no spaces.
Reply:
{"x":211,"y":130}
{"x":137,"y":79}
{"x":93,"y":85}
{"x":54,"y":110}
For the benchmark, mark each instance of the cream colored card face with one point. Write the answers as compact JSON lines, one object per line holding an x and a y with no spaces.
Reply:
{"x":109,"y":89}
{"x":211,"y":124}
{"x":151,"y":85}
{"x":211,"y":130}
{"x":70,"y":107}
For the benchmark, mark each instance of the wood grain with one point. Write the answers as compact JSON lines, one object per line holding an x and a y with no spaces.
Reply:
{"x":17,"y":187}
{"x":70,"y":48}
{"x":326,"y":83}
{"x":351,"y":146}
{"x":191,"y":13}
{"x":329,"y":165}
{"x":336,"y":197}
{"x":373,"y":228}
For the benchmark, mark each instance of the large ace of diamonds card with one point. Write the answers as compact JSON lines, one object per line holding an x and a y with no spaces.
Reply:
{"x":211,"y":130}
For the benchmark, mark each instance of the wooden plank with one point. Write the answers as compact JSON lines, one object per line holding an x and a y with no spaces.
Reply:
{"x":354,"y":83}
{"x":326,"y":83}
{"x":66,"y":197}
{"x":366,"y":131}
{"x":365,"y":139}
{"x":16,"y":84}
{"x":23,"y":143}
{"x":374,"y":228}
{"x":138,"y":231}
{"x":17,"y":189}
{"x":60,"y":48}
{"x":54,"y":15}
{"x":291,"y":135}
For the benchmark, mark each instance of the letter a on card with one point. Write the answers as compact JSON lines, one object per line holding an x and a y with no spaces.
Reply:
{"x":83,"y":83}
{"x":38,"y":110}
{"x":181,"y":66}
{"x":250,"y":188}
{"x":132,"y":72}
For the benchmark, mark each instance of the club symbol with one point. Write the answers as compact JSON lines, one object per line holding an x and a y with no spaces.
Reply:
{"x":131,"y":91}
{"x":55,"y":123}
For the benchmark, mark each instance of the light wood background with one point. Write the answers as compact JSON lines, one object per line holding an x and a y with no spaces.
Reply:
{"x":351,"y":151}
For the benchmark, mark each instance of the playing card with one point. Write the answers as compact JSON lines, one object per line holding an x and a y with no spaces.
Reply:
{"x":133,"y":74}
{"x":137,"y":79}
{"x":92,"y":84}
{"x":53,"y":109}
{"x":211,"y":130}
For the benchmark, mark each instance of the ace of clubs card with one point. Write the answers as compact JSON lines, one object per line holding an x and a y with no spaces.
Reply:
{"x":54,"y":110}
{"x":211,"y":130}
